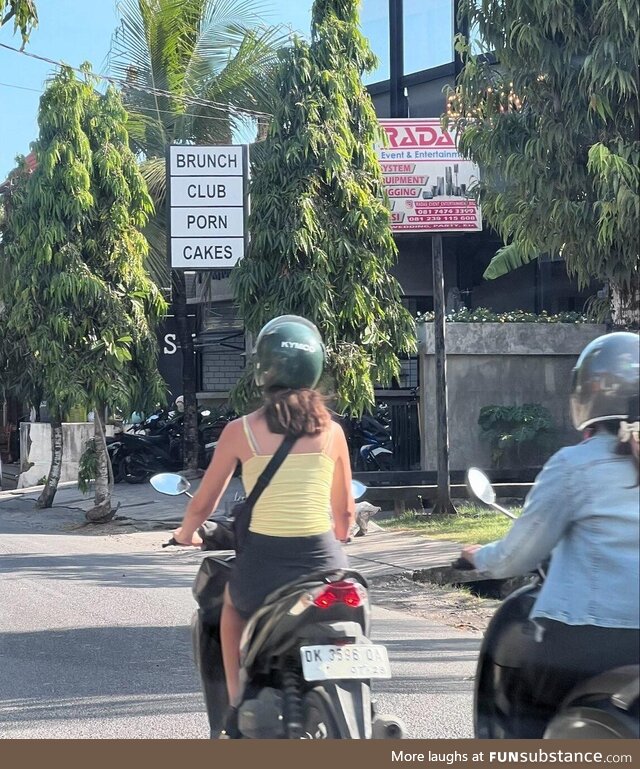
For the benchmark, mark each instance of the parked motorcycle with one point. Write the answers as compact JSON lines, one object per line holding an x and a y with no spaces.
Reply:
{"x":307,"y":661}
{"x":605,"y":706}
{"x":155,"y":445}
{"x":370,"y":442}
{"x":135,"y":457}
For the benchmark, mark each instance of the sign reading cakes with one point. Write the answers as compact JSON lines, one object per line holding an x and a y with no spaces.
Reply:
{"x":207,"y":196}
{"x":429,"y":184}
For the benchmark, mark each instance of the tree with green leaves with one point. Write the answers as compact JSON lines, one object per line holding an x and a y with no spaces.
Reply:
{"x":196,"y":69}
{"x":554,"y":128}
{"x":21,"y":375}
{"x":81,"y":297}
{"x":23,"y":13}
{"x":321,"y":244}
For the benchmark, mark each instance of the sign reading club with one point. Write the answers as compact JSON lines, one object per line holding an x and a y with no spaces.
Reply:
{"x":207,"y":188}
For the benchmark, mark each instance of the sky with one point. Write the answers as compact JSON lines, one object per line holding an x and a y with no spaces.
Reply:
{"x":75,"y":31}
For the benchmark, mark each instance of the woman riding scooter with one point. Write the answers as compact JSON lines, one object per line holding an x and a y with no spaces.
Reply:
{"x":584,"y":507}
{"x":291,"y":533}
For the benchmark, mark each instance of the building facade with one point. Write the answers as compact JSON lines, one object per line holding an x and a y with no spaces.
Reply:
{"x":414,"y":43}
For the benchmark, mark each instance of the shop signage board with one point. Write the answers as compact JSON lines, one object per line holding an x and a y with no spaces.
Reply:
{"x":207,"y":206}
{"x":427,"y":180}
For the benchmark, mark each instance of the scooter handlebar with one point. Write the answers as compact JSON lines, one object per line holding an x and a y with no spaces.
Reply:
{"x":216,"y":535}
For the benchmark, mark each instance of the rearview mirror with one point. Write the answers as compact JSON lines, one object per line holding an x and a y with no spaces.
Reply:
{"x":170,"y":483}
{"x":358,"y":489}
{"x":480,"y":486}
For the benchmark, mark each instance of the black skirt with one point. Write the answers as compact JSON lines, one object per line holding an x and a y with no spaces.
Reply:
{"x":267,"y":563}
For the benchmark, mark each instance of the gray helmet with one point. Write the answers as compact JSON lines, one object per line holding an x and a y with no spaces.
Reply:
{"x":605,"y":380}
{"x":289,"y":353}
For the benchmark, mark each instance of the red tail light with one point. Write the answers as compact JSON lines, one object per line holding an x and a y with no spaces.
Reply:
{"x":347,"y":593}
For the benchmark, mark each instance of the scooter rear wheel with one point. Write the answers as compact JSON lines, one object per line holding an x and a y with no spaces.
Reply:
{"x":319,"y":723}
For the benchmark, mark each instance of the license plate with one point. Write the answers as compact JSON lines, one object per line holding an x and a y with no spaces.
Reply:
{"x":325,"y":663}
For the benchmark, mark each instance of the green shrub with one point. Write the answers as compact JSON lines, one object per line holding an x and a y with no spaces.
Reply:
{"x":521,"y":435}
{"x":483,"y":315}
{"x":88,"y":468}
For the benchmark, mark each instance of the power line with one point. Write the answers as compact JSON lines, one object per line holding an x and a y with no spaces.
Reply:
{"x":21,"y":87}
{"x":194,"y":100}
{"x":140,"y":111}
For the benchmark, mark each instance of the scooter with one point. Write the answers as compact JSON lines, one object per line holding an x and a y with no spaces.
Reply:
{"x":155,"y":445}
{"x":135,"y":457}
{"x":604,"y":706}
{"x":306,"y":659}
{"x":370,"y":443}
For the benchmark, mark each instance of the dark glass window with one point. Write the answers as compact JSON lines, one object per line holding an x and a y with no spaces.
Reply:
{"x":418,"y":304}
{"x":428,"y":34}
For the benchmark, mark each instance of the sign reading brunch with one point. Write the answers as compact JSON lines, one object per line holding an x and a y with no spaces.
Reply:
{"x":427,"y":180}
{"x":207,"y":194}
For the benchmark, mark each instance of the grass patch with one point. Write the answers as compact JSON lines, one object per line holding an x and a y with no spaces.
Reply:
{"x":472,"y":525}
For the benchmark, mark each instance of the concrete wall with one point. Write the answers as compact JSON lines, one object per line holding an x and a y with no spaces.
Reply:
{"x":504,"y":364}
{"x":35,"y":450}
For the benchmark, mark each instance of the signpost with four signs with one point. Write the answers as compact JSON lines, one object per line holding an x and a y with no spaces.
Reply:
{"x":207,"y":205}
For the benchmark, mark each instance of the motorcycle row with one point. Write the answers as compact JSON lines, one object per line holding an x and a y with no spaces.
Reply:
{"x":155,"y":444}
{"x":307,"y":662}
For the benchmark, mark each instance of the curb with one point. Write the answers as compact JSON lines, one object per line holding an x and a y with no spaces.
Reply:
{"x":13,"y":493}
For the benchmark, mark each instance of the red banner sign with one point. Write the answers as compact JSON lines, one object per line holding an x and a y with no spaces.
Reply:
{"x":428,"y":182}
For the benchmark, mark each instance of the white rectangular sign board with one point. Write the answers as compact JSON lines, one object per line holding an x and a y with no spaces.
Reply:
{"x":207,"y":206}
{"x":427,"y":180}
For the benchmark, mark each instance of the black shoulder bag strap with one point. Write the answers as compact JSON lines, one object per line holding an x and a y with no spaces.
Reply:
{"x":243,"y":511}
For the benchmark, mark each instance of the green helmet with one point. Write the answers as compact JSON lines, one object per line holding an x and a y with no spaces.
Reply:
{"x":605,"y":379}
{"x":289,"y":353}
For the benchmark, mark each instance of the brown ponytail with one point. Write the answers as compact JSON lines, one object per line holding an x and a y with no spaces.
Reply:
{"x":296,"y":412}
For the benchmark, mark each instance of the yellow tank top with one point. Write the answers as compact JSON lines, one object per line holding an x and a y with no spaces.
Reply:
{"x":297,"y":501}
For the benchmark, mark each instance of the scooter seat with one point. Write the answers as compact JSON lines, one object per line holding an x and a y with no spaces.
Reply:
{"x":153,"y":439}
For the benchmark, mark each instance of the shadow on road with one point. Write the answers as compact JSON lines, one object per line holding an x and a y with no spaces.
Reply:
{"x":103,"y":672}
{"x":136,"y":570}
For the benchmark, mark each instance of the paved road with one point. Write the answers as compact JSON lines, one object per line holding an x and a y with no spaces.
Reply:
{"x":94,"y":641}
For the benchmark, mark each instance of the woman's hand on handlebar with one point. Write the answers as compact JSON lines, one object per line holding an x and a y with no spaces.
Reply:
{"x":182,"y":537}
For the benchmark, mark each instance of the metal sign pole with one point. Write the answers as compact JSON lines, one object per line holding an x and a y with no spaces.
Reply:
{"x":443,"y":503}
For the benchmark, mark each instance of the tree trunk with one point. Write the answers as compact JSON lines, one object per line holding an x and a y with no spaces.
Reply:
{"x":45,"y":500}
{"x":190,"y":423}
{"x":625,"y":307}
{"x":102,"y":510}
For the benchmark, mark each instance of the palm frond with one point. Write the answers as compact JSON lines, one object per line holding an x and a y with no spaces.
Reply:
{"x":508,"y":258}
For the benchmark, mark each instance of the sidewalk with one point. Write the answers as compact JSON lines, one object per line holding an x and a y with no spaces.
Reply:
{"x":379,"y":553}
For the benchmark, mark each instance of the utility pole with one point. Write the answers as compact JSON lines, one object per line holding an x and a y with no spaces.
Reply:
{"x":443,"y":504}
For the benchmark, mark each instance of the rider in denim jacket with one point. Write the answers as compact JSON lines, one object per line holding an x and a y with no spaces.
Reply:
{"x":584,"y":508}
{"x":584,"y":511}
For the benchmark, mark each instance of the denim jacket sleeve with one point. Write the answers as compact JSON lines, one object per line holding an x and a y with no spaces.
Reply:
{"x":547,"y":514}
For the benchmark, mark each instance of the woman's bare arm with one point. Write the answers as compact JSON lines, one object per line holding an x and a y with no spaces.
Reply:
{"x":343,"y":505}
{"x":214,"y":483}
